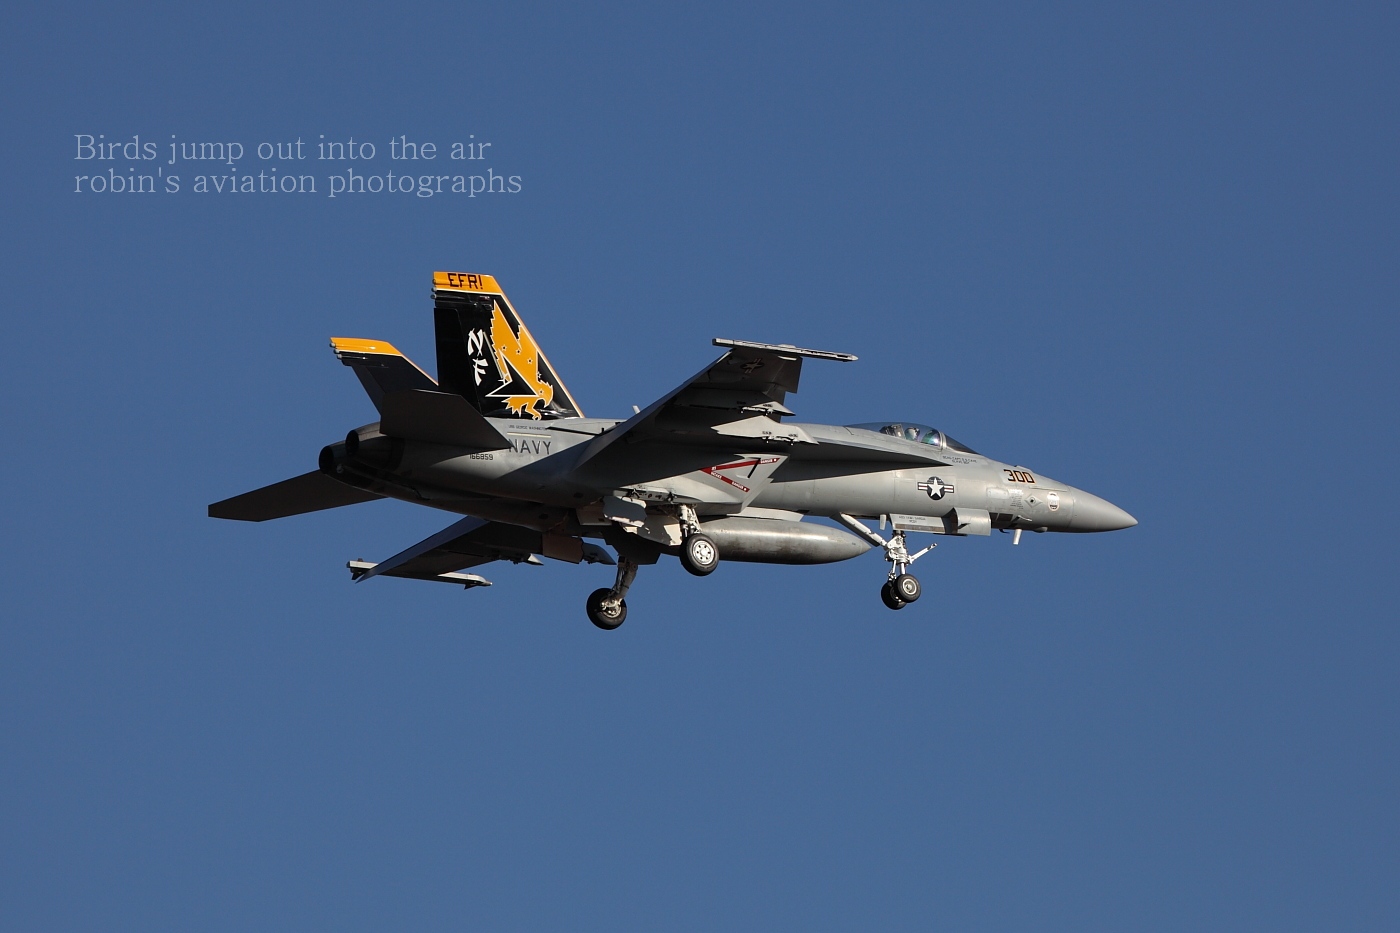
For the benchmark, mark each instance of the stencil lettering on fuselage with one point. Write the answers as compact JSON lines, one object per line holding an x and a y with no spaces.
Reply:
{"x":735,"y":474}
{"x":535,"y":446}
{"x":1016,"y":502}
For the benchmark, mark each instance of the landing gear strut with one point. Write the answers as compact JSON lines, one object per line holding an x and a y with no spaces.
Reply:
{"x":699,"y":554}
{"x":607,"y":608}
{"x":901,"y":588}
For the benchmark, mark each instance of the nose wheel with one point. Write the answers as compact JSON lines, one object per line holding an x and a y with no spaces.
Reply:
{"x":900,"y":591}
{"x":901,"y":587}
{"x":906,"y":587}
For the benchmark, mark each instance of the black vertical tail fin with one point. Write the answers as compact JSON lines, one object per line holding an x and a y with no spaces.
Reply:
{"x":486,"y":354}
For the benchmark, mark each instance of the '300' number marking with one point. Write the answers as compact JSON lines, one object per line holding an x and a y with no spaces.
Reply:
{"x":1019,"y":476}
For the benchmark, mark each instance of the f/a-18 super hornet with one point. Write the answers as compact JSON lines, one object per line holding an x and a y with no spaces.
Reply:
{"x":709,"y":471}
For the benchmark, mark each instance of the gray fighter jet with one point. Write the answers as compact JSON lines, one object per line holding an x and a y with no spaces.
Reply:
{"x":709,"y":472}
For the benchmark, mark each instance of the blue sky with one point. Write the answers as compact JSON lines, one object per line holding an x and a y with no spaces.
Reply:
{"x":1150,"y":252}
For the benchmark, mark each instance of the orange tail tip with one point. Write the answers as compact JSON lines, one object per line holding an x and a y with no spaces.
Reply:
{"x":466,"y":282}
{"x":343,"y":345}
{"x":380,"y":367}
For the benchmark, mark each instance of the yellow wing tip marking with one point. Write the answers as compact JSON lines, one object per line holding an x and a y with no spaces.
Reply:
{"x":359,"y":345}
{"x":466,"y":282}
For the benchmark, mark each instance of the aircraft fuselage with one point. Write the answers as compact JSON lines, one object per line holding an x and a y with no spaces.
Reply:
{"x":540,"y":467}
{"x":709,"y":471}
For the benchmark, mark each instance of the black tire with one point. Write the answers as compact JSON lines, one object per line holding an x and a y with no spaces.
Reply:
{"x":599,"y":615}
{"x":906,"y":588}
{"x":888,"y":597}
{"x":699,"y":555}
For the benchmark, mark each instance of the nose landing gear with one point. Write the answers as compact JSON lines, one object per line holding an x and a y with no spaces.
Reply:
{"x":905,"y":588}
{"x":901,"y":588}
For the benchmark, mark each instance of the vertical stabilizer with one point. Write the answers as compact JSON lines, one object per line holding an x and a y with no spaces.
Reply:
{"x":381,"y":368}
{"x":486,"y":354}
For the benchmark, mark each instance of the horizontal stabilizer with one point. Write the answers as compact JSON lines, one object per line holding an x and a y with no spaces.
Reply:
{"x":310,"y":492}
{"x":437,"y":418}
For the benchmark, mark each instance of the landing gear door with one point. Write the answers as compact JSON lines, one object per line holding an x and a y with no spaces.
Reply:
{"x":962,"y":521}
{"x":958,"y":521}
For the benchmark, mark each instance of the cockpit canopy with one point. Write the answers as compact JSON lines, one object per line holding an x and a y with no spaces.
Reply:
{"x":915,"y":432}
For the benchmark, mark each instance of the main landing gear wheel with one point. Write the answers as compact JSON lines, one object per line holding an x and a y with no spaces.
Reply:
{"x":699,"y":555}
{"x":905,"y":587}
{"x":607,"y":617}
{"x":888,"y":597}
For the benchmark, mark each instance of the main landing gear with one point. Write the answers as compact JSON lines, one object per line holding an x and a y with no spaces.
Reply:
{"x":699,"y":555}
{"x":607,"y":608}
{"x":901,"y":588}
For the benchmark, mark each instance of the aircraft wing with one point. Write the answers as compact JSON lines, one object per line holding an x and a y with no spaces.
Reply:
{"x":475,"y":541}
{"x":733,"y":403}
{"x":735,"y":398}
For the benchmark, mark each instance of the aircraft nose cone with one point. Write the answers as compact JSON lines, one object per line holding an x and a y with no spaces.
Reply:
{"x":1094,"y":514}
